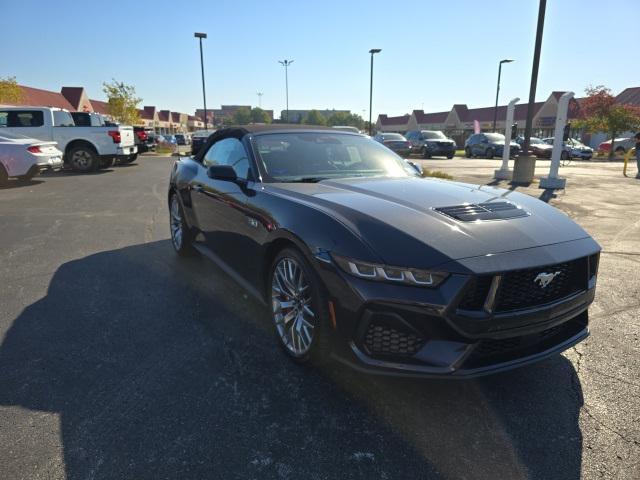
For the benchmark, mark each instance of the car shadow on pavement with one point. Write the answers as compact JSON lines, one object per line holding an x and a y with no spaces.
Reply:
{"x":20,"y":184}
{"x":161,"y":367}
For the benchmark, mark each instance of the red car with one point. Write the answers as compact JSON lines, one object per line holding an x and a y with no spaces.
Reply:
{"x":621,"y":145}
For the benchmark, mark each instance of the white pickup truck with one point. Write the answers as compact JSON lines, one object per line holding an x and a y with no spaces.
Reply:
{"x":85,"y":148}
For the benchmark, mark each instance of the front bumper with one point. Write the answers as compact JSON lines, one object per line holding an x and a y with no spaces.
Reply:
{"x":441,"y":150}
{"x":411,"y":331}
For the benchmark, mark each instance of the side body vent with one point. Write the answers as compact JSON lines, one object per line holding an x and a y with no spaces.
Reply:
{"x":483,"y":211}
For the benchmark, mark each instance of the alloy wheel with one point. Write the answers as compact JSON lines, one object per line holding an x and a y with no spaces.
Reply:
{"x":176,"y":223}
{"x":291,"y":303}
{"x":81,"y":159}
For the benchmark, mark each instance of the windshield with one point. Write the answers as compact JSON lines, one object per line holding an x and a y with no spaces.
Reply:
{"x":495,"y":137}
{"x":433,"y":135}
{"x":290,"y":157}
{"x":536,"y":141}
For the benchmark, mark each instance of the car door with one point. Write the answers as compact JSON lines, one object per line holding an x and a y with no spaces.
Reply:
{"x":220,"y":205}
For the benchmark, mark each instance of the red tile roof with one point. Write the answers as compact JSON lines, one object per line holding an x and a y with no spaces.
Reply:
{"x":401,"y":120}
{"x":43,"y":98}
{"x":175,"y":117}
{"x":147,"y":113}
{"x":629,"y":96}
{"x":163,"y":115}
{"x":100,"y":107}
{"x":73,"y":95}
{"x":437,"y":117}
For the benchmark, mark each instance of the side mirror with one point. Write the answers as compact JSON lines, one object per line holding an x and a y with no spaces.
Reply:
{"x":222,"y":172}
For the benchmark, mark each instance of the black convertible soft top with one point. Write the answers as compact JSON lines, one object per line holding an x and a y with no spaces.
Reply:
{"x":240,"y":131}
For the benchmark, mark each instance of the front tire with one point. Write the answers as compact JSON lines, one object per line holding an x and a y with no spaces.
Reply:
{"x":489,"y":153}
{"x":425,"y":153}
{"x":181,"y":238}
{"x":299,"y":308}
{"x":467,"y":152}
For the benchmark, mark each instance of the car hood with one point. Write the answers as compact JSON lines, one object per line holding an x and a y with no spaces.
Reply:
{"x":395,"y":217}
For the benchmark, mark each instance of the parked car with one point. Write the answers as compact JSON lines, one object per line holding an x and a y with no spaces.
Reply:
{"x":170,"y":139}
{"x":395,"y":142}
{"x":23,"y":157}
{"x":431,"y":143}
{"x":573,"y":148}
{"x":488,"y":145}
{"x":144,"y":139}
{"x":85,"y":148}
{"x":357,"y":259}
{"x":621,"y":145}
{"x":539,"y":147}
{"x":198,"y":139}
{"x":182,"y":139}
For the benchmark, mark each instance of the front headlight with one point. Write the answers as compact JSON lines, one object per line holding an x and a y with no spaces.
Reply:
{"x":386,"y":273}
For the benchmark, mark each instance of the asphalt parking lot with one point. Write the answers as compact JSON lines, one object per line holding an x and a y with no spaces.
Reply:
{"x":120,"y":360}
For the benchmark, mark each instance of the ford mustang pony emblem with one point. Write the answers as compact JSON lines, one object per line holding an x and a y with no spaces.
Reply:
{"x":545,"y":278}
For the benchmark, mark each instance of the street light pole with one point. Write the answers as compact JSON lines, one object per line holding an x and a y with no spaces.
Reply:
{"x":372,"y":52}
{"x":285,"y":64}
{"x":200,"y":36}
{"x":259,"y":99}
{"x":495,"y":110}
{"x":534,"y":77}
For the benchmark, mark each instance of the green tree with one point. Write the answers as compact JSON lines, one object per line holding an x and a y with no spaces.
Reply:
{"x":345,"y":119}
{"x":10,"y":92}
{"x":123,"y":102}
{"x":314,"y":117}
{"x":258,"y":115}
{"x":601,"y":113}
{"x":242,"y":116}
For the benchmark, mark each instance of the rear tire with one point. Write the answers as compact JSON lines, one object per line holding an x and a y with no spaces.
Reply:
{"x":83,"y":159}
{"x":450,"y":156}
{"x":129,"y":159}
{"x":425,"y":153}
{"x":298,"y":294}
{"x":564,"y":155}
{"x":467,"y":152}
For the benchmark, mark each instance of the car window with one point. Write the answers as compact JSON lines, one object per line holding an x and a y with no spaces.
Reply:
{"x":21,"y":118}
{"x":228,"y":151}
{"x":434,"y":135}
{"x":62,"y":119}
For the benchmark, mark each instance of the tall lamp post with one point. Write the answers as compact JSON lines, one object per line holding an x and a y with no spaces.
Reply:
{"x":373,"y":51}
{"x":285,"y":63}
{"x":534,"y":77}
{"x":200,"y":36}
{"x":495,"y":110}
{"x":259,"y":99}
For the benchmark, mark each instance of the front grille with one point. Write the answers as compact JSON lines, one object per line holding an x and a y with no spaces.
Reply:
{"x":385,"y":340}
{"x":520,"y":289}
{"x":483,"y":211}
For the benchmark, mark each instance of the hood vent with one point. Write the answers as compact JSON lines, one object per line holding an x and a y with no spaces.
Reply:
{"x":483,"y":211}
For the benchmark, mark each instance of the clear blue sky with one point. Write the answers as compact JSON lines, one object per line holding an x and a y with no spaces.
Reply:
{"x":434,"y":53}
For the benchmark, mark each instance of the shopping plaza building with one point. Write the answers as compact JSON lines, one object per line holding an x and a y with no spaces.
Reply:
{"x":458,"y":123}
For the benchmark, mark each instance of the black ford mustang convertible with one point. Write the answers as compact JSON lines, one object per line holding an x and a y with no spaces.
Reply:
{"x":360,"y":259}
